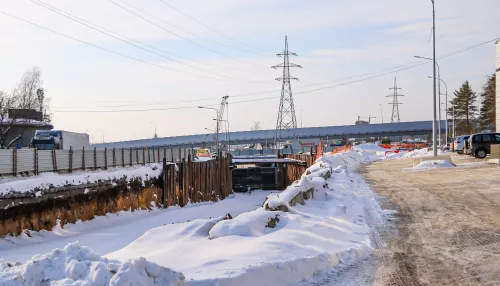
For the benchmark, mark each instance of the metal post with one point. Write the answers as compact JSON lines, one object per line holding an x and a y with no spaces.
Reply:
{"x":439,"y":105}
{"x":434,"y":143}
{"x":454,"y":134}
{"x":217,"y":129}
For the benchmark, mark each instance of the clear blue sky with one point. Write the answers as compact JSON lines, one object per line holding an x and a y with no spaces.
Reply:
{"x":334,"y":40}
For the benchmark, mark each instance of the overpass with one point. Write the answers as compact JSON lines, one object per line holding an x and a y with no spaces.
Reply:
{"x":416,"y":128}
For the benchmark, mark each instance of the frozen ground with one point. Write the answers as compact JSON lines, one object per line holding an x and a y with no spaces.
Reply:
{"x":329,"y":234}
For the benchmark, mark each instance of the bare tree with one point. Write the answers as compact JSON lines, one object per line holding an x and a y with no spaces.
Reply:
{"x":27,"y":92}
{"x":27,"y":95}
{"x":6,"y":102}
{"x":256,"y":126}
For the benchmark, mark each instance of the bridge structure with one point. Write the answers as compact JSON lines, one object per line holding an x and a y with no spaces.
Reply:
{"x":415,"y":128}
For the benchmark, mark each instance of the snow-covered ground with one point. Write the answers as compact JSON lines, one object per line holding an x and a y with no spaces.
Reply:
{"x":332,"y":230}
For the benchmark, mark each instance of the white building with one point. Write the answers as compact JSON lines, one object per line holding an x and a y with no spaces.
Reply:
{"x":498,"y":87}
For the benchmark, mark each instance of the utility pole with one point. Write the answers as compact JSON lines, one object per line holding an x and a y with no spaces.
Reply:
{"x":286,"y":113}
{"x":381,"y":113}
{"x":395,"y":104}
{"x":434,"y":129}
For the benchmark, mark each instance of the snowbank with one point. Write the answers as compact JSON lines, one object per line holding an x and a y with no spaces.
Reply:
{"x":433,"y":164}
{"x":414,"y":154}
{"x":78,"y":265}
{"x":45,"y":181}
{"x":255,"y":223}
{"x":369,"y":147}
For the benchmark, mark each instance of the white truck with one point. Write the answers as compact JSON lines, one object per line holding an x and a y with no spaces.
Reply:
{"x":60,"y":140}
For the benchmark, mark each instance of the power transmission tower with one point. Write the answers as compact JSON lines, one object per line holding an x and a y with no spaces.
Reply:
{"x":286,"y":114}
{"x":395,"y":104}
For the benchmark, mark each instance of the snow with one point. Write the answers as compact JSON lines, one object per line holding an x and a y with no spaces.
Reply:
{"x":45,"y":181}
{"x":256,"y":247}
{"x":247,"y":224}
{"x":369,"y":147}
{"x":417,"y":153}
{"x":108,"y":233}
{"x":433,"y":164}
{"x":78,"y":265}
{"x":327,"y":231}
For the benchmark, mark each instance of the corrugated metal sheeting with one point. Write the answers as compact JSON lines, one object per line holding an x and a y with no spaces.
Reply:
{"x":26,"y":159}
{"x":5,"y":161}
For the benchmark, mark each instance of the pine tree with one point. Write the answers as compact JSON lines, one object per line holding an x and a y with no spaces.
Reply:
{"x":463,"y":109}
{"x":487,"y":115}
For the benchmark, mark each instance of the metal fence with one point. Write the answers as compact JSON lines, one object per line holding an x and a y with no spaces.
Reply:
{"x":18,"y":161}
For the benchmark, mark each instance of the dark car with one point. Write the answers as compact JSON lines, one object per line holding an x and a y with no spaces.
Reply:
{"x":479,"y":145}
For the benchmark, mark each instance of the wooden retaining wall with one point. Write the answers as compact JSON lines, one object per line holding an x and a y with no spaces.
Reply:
{"x":194,"y":182}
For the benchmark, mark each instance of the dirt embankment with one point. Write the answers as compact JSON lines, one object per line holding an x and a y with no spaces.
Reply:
{"x":447,"y":229}
{"x":34,"y":214}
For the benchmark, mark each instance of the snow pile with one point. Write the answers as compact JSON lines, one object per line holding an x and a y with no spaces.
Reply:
{"x":77,"y":265}
{"x":45,"y":181}
{"x":417,"y":153}
{"x":261,"y":248}
{"x":434,"y":164}
{"x":314,"y":179}
{"x":254,"y":223}
{"x":369,"y":147}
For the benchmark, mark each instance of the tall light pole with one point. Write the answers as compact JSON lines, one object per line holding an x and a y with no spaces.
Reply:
{"x":435,"y":128}
{"x":301,"y":118}
{"x":216,"y":128}
{"x":446,"y":108}
{"x":155,"y":135}
{"x":381,"y":114}
{"x":102,"y":133}
{"x":434,"y":147}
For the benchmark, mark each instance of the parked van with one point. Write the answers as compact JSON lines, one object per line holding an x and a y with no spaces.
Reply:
{"x":459,"y":143}
{"x":479,"y":145}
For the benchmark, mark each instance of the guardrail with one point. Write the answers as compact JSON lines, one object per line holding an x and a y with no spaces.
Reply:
{"x":34,"y":161}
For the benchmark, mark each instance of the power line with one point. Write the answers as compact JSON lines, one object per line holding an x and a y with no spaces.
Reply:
{"x":106,"y":49}
{"x":189,"y":32}
{"x":126,"y":40}
{"x":391,"y":71}
{"x":158,"y":109}
{"x":125,"y":37}
{"x":208,"y":27}
{"x":177,"y":35}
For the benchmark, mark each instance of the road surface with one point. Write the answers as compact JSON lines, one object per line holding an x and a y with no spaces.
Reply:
{"x":447,"y":228}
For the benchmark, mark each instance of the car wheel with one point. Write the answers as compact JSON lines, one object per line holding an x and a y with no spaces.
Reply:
{"x":481,"y":154}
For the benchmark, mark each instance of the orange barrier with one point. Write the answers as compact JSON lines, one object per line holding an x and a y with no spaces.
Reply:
{"x":319,"y":152}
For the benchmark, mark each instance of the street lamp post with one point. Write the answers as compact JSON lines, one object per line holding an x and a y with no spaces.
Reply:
{"x":435,"y":126}
{"x":446,"y":109}
{"x":156,"y":134}
{"x":216,"y":128}
{"x":434,"y":149}
{"x":381,"y":113}
{"x":102,"y":133}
